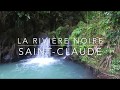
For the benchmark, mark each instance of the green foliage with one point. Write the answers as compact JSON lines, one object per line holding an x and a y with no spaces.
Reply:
{"x":107,"y":51}
{"x":59,"y":31}
{"x":52,"y":34}
{"x":90,"y":61}
{"x":62,"y":32}
{"x":113,"y":36}
{"x":115,"y":19}
{"x":115,"y":66}
{"x":103,"y":25}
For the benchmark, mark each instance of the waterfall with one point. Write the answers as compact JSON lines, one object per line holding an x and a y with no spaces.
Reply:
{"x":69,"y":47}
{"x":44,"y":57}
{"x":68,"y":51}
{"x":45,"y":49}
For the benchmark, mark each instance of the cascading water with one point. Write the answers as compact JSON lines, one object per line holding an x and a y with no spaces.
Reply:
{"x":45,"y":49}
{"x":68,"y":48}
{"x":43,"y":66}
{"x":44,"y":56}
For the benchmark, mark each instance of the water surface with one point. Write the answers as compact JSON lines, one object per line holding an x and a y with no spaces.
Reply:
{"x":44,"y":68}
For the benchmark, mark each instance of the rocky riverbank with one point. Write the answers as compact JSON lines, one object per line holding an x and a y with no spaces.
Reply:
{"x":96,"y":72}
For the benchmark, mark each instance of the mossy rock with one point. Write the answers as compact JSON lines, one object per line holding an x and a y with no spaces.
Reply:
{"x":52,"y":34}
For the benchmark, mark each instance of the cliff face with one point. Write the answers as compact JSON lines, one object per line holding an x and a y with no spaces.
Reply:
{"x":11,"y":28}
{"x":24,"y":24}
{"x":9,"y":42}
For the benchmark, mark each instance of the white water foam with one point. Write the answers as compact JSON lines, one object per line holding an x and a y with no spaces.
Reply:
{"x":44,"y":58}
{"x":41,"y":61}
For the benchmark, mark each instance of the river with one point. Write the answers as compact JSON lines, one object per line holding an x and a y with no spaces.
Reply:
{"x":44,"y":68}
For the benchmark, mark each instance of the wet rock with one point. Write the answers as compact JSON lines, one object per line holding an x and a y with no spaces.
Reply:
{"x":107,"y":76}
{"x":7,"y":58}
{"x":68,"y":57}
